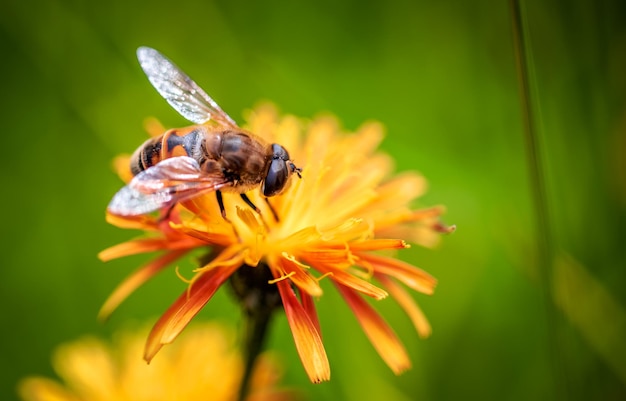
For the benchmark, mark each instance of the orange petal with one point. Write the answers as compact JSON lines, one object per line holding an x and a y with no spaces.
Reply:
{"x":305,"y":334}
{"x":352,"y":281}
{"x":135,"y":280}
{"x":141,"y":222}
{"x":176,"y":318}
{"x":340,"y":253}
{"x":309,"y":307}
{"x":410,"y":275}
{"x":145,"y":245}
{"x":408,"y":304}
{"x":298,"y":275}
{"x":373,"y":245}
{"x":342,"y":258}
{"x":380,"y":334}
{"x":217,"y":238}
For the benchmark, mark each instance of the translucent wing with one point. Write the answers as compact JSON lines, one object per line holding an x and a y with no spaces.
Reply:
{"x":180,"y":91}
{"x":171,"y":181}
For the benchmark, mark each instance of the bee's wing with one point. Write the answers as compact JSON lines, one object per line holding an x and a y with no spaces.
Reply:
{"x":171,"y":181}
{"x":180,"y":91}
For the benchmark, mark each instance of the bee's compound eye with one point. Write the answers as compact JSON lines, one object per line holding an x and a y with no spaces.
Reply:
{"x":278,"y":172}
{"x":276,"y":178}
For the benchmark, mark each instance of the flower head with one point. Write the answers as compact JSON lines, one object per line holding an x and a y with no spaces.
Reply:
{"x":339,"y":222}
{"x":190,"y":370}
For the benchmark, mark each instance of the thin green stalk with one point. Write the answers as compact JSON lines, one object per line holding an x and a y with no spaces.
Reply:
{"x":256,"y":332}
{"x":258,"y":300}
{"x":543,"y":228}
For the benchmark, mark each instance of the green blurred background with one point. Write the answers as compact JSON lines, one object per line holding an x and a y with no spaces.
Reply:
{"x":441,"y":76}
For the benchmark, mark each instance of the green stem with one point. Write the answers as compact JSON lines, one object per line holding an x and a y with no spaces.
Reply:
{"x":258,"y":299}
{"x":543,"y":228}
{"x":257,"y":325}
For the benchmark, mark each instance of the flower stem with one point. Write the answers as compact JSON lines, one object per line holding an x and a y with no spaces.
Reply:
{"x":256,"y":330}
{"x":258,"y":299}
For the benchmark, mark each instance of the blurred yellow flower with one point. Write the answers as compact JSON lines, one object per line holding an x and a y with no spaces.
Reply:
{"x":203,"y":364}
{"x":339,"y":222}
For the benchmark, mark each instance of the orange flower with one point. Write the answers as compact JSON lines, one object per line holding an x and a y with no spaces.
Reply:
{"x":338,"y":222}
{"x":95,"y":371}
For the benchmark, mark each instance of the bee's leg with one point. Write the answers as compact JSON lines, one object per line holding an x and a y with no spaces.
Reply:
{"x":249,"y":203}
{"x":255,"y":208}
{"x":267,"y":201}
{"x":220,"y":202}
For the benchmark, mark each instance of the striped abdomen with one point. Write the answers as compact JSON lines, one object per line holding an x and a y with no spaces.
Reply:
{"x":175,"y":142}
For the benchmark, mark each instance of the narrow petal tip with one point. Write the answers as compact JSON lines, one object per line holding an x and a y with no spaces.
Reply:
{"x":444,"y":229}
{"x":152,"y":348}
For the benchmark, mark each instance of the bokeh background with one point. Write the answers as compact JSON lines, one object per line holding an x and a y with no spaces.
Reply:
{"x":526,"y":307}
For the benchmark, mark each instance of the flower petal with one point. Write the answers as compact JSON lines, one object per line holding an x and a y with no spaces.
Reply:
{"x":373,"y":245}
{"x":352,"y":281}
{"x":309,"y":307}
{"x":369,"y":136}
{"x":298,"y":274}
{"x":90,"y":368}
{"x":401,"y":190}
{"x":141,"y":222}
{"x":121,"y":164}
{"x":135,"y":280}
{"x":410,"y":275}
{"x":408,"y":304}
{"x":421,"y":227}
{"x":146,"y":245}
{"x":340,"y":258}
{"x":341,"y":254}
{"x":380,"y":334}
{"x":42,"y":389}
{"x":306,"y":336}
{"x":207,"y":237}
{"x":176,"y":318}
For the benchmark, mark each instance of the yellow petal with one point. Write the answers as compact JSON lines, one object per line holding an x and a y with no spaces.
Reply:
{"x":153,"y":127}
{"x":397,"y":193}
{"x":90,"y":368}
{"x":41,"y":389}
{"x":121,"y":164}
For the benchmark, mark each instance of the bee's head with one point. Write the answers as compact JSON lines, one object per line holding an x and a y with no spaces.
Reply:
{"x":279,"y":170}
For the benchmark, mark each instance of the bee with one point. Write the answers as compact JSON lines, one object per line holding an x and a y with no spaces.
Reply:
{"x":214,"y":155}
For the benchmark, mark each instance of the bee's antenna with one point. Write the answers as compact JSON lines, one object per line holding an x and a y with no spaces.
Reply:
{"x":296,"y":170}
